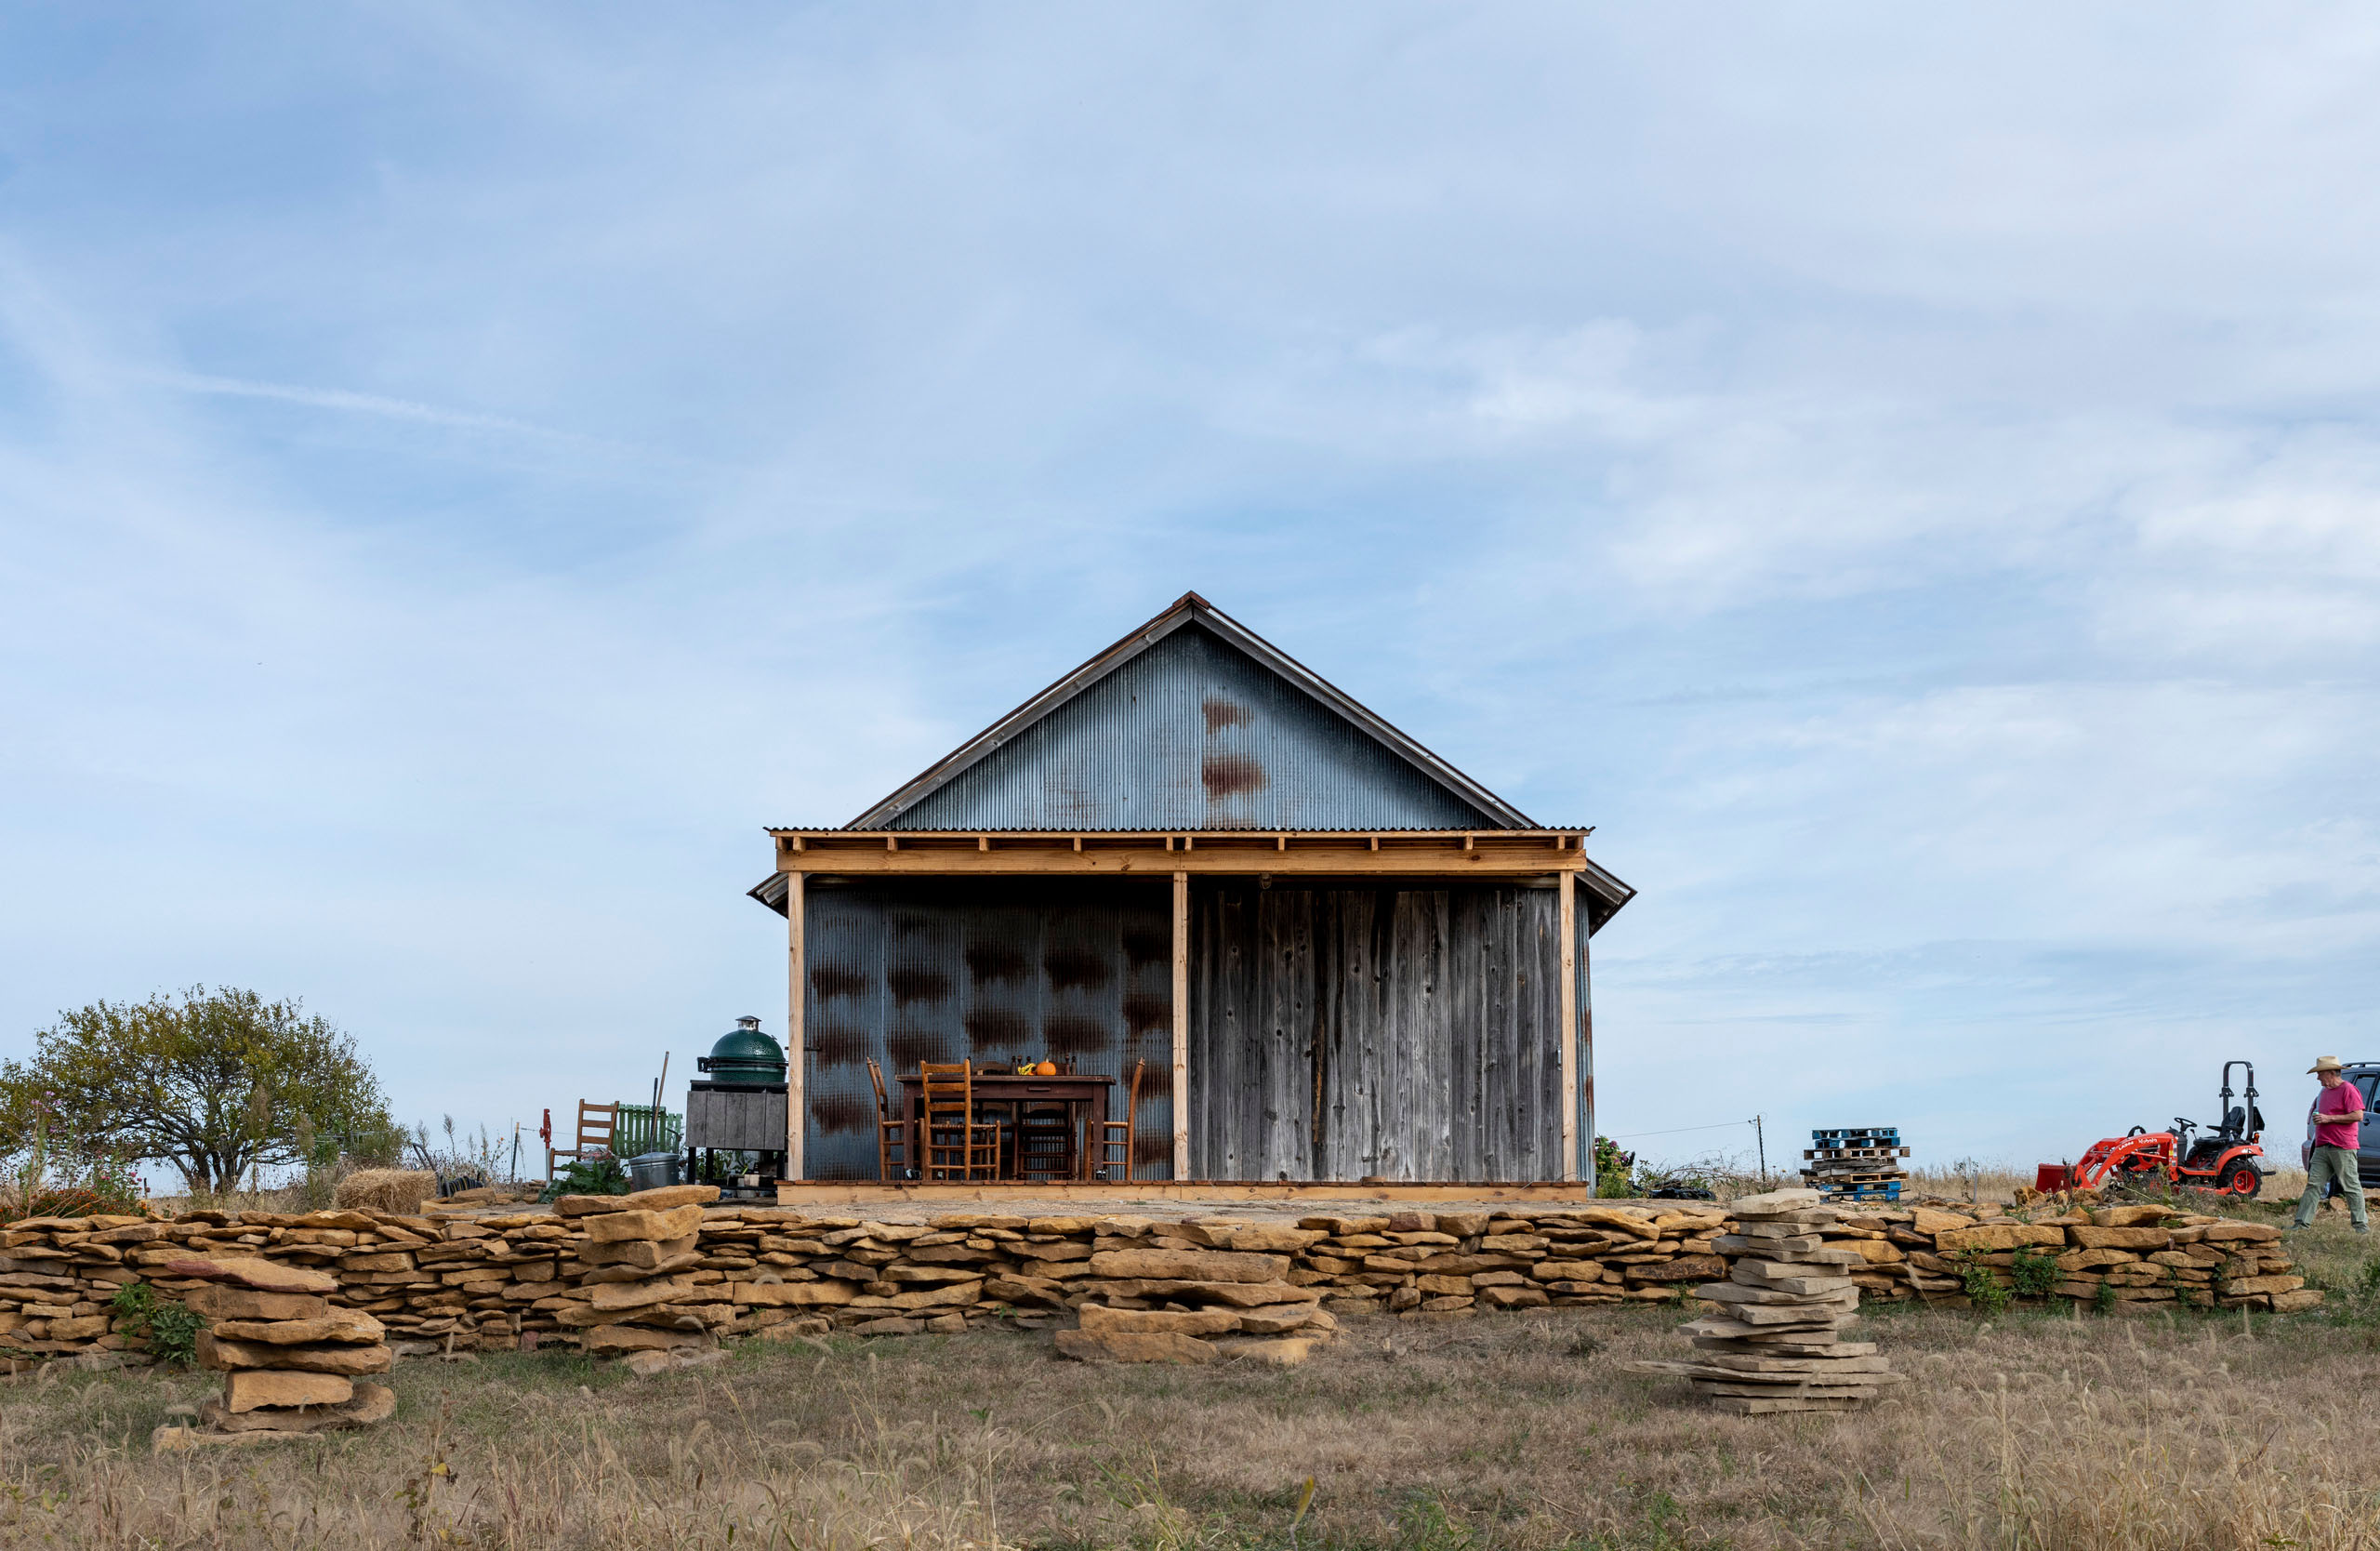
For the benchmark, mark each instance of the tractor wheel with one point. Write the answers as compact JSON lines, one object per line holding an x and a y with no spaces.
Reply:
{"x":2240,"y":1178}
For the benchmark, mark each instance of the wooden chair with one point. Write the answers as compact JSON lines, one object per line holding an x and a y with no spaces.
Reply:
{"x":956,"y":1145}
{"x":892,"y":1131}
{"x":1120,"y":1134}
{"x":1046,"y":1144}
{"x":597,"y":1124}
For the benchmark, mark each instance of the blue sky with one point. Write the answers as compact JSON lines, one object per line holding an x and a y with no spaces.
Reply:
{"x":1909,"y":477}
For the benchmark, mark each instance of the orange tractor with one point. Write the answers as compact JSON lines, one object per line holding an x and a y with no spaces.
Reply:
{"x":2224,"y":1159}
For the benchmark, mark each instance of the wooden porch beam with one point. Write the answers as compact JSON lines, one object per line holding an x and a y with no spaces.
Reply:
{"x":1390,"y":861}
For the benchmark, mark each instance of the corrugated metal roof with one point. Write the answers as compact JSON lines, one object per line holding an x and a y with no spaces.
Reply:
{"x":1192,"y":721}
{"x":1155,"y":830}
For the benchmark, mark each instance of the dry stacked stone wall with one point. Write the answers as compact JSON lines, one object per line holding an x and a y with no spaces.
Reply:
{"x":672,"y":1269}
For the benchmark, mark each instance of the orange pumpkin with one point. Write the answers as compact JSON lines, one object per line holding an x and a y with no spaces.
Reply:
{"x":1047,"y":1069}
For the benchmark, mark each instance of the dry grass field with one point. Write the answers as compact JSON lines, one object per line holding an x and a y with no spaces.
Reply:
{"x":2034,"y":1430}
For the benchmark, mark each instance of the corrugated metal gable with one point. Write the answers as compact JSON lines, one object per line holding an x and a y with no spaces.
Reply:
{"x":1192,"y":733}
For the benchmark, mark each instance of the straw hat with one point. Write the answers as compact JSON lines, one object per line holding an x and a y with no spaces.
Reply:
{"x":2324,"y":1064}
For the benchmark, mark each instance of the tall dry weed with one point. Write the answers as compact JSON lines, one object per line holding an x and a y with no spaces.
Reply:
{"x":2069,"y":1462}
{"x":716,"y":1482}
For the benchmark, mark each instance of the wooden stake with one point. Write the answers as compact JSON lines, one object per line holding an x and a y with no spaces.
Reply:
{"x":796,"y":1063}
{"x":1569,"y":914}
{"x":1182,"y":1026}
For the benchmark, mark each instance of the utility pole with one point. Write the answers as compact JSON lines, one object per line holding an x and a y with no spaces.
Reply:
{"x":1760,"y":1140}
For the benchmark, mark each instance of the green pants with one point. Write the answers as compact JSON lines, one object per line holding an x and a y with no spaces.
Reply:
{"x":2324,"y":1165}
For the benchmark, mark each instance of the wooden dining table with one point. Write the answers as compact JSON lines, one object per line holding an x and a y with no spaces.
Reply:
{"x":1085,"y":1094}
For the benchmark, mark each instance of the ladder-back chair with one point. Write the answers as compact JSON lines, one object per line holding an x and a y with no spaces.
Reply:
{"x":892,"y":1131}
{"x":1120,"y":1134}
{"x":956,"y":1145}
{"x":596,"y":1126}
{"x":1046,"y":1144}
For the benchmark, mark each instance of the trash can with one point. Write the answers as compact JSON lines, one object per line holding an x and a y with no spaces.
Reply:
{"x":652,"y":1170}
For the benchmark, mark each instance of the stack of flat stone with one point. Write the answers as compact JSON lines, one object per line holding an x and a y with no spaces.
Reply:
{"x":1774,"y":1343}
{"x":636,"y":1277}
{"x":292,"y":1362}
{"x":1165,"y":1292}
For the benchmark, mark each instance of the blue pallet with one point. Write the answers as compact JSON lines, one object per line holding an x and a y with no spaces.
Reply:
{"x":1865,"y":1193}
{"x":1885,"y":1135}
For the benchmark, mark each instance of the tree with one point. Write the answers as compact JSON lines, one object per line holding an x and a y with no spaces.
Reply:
{"x":214,"y":1085}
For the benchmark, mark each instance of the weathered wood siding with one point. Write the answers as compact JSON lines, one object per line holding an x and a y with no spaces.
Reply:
{"x":1407,"y":1033}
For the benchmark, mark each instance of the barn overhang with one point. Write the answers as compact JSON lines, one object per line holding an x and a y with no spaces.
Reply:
{"x":1503,"y":856}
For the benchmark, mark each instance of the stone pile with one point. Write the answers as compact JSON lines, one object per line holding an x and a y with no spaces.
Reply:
{"x":1775,"y":1341}
{"x":2127,"y":1259}
{"x":1444,"y":1266}
{"x":1164,"y":1293}
{"x":634,"y":1283}
{"x":292,"y":1363}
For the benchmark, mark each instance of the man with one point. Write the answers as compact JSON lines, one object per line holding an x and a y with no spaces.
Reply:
{"x":2338,"y":1111}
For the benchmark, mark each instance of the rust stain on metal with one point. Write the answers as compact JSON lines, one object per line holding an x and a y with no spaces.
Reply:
{"x":1230,"y":775}
{"x":1222,"y":713}
{"x":838,"y":1044}
{"x":1147,"y":947}
{"x":1069,"y":1035}
{"x":1142,"y":1013}
{"x":841,"y":1114}
{"x":996,"y":962}
{"x":907,"y":1047}
{"x":910,"y":984}
{"x":1075,"y":969}
{"x":997,"y":1028}
{"x":830,"y":981}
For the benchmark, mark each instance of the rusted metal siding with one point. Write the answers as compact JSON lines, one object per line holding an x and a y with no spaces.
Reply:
{"x":1407,"y":1033}
{"x":1192,"y":733}
{"x":911,"y":970}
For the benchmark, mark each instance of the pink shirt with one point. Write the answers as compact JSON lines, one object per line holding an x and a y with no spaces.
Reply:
{"x":2345,"y":1099}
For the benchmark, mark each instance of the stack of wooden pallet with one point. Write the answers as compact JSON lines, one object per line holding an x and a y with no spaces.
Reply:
{"x":1855,"y":1165}
{"x":1776,"y":1343}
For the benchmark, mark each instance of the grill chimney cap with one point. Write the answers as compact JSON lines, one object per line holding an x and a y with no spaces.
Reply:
{"x":749,"y":1020}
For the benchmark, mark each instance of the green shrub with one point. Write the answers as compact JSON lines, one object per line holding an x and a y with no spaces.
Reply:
{"x":2034,"y":1272}
{"x":603,"y":1177}
{"x":1615,"y":1170}
{"x":1983,"y":1288}
{"x":169,"y":1330}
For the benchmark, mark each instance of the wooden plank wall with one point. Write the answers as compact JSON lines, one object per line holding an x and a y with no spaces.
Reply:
{"x":1346,"y":1033}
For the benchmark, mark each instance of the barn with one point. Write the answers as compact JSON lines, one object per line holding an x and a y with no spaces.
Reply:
{"x":1333,"y":956}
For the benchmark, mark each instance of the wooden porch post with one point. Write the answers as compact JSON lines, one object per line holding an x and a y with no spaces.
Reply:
{"x":796,"y":1063}
{"x":1586,"y":1089}
{"x":1180,"y":1025}
{"x":1570,"y":929}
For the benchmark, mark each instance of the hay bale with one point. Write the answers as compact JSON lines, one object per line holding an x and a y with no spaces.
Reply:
{"x":396,"y":1190}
